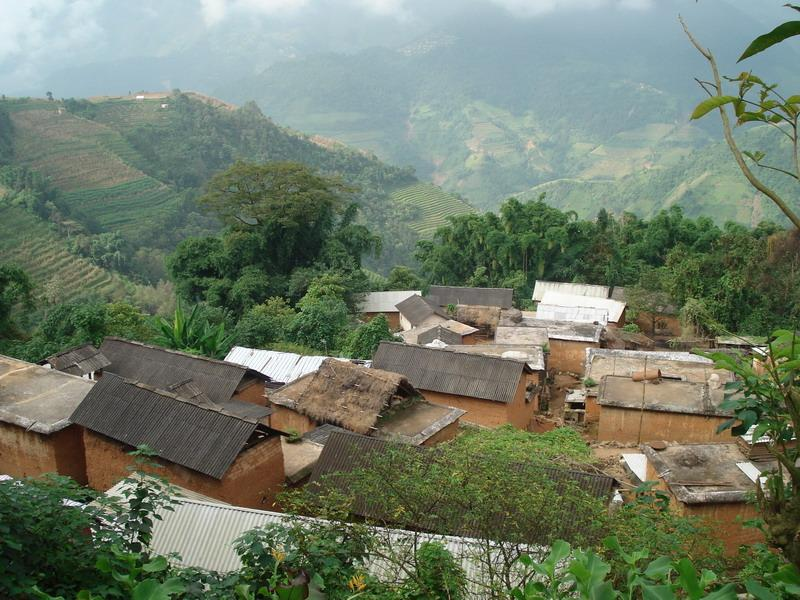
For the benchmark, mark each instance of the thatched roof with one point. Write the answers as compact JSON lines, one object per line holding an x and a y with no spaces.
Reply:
{"x":351,"y":396}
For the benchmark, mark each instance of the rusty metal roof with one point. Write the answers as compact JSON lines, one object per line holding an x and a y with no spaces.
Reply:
{"x":79,"y":360}
{"x":472,"y":375}
{"x":200,"y":438}
{"x":471,"y":296}
{"x":163,"y":368}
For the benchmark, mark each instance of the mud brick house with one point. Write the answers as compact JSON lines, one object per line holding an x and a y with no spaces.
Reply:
{"x":417,"y":312}
{"x":36,"y":434}
{"x":709,"y":481}
{"x":224,"y":453}
{"x":218,"y":381}
{"x":84,"y":361}
{"x":365,"y":401}
{"x":567,"y":342}
{"x":646,"y":410}
{"x":479,"y":307}
{"x":385,"y":303}
{"x":683,"y":408}
{"x":492,"y":390}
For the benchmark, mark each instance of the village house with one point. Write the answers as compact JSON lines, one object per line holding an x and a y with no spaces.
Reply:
{"x":228,"y":453}
{"x":492,"y":390}
{"x":575,"y":289}
{"x":446,"y":332}
{"x":663,"y":321}
{"x":710,"y":481}
{"x":366,"y":401}
{"x":556,"y":306}
{"x":646,"y":407}
{"x":220,"y":382}
{"x":385,"y":303}
{"x":417,"y":312}
{"x":84,"y":361}
{"x":479,"y":307}
{"x":566,"y":341}
{"x":675,"y":397}
{"x":36,"y":433}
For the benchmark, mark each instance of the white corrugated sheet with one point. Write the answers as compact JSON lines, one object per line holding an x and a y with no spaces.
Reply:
{"x":282,"y":367}
{"x":575,"y":314}
{"x":576,"y":289}
{"x":637,"y":463}
{"x":202,"y":535}
{"x":386,"y":302}
{"x":615,"y":308}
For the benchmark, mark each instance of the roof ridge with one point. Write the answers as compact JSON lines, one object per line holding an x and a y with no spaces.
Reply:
{"x":476,"y":355}
{"x":173,"y":396}
{"x":177,"y":352}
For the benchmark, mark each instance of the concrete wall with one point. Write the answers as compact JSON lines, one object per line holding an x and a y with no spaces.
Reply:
{"x":393,"y":318}
{"x":253,"y":480}
{"x":488,"y":412}
{"x":447,"y":433}
{"x":28,"y":454}
{"x":568,"y":356}
{"x":632,"y":425}
{"x":285,"y":419}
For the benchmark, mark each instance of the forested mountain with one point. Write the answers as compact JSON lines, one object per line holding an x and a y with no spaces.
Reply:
{"x":489,"y":105}
{"x":116,"y":178}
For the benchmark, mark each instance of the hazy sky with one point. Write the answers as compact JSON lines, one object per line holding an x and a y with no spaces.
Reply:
{"x":39,"y":38}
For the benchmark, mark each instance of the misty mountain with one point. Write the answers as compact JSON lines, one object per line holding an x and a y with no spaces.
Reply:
{"x":489,"y":104}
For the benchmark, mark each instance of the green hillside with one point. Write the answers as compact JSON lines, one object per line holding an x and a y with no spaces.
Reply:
{"x":28,"y":242}
{"x":134,"y":167}
{"x":705,"y":181}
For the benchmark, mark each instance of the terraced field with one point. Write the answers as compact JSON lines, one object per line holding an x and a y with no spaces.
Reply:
{"x":432,"y":206}
{"x":123,"y":207}
{"x":29,"y":243}
{"x":74,"y":152}
{"x":126,"y":113}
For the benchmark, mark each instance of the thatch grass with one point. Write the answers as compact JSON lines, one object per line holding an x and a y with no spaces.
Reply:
{"x":351,"y":396}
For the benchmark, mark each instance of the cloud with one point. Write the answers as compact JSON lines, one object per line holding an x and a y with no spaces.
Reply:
{"x":214,"y":11}
{"x":534,"y":8}
{"x":384,"y":8}
{"x":34,"y":31}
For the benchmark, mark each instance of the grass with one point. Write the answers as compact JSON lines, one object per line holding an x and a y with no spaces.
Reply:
{"x":431,"y":205}
{"x":29,"y":243}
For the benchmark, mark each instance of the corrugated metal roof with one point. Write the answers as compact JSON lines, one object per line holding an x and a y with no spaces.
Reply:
{"x":321,"y":434}
{"x":162,"y":368}
{"x":578,"y":289}
{"x":386,"y":302}
{"x":80,"y":360}
{"x":203,"y":439}
{"x":280,"y":367}
{"x":475,"y":376}
{"x":576,"y":314}
{"x":415,"y":309}
{"x":201,"y":535}
{"x":471,"y":296}
{"x":615,"y":309}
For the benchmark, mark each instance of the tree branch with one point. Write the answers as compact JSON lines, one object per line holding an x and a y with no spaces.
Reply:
{"x":728,"y":133}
